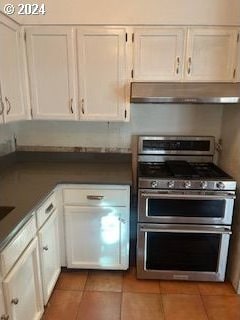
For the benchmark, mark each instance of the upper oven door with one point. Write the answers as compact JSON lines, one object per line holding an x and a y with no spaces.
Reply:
{"x":185,"y":207}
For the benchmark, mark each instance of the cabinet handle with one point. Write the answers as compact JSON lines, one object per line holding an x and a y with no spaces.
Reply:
{"x":1,"y":101}
{"x":49,"y":208}
{"x":82,"y":106}
{"x":4,"y":317}
{"x":122,"y":220}
{"x":45,"y":248}
{"x":14,"y":301}
{"x":178,"y":65}
{"x":93,"y":197}
{"x":71,"y":105}
{"x":8,"y":103}
{"x":2,"y":107}
{"x":189,"y":65}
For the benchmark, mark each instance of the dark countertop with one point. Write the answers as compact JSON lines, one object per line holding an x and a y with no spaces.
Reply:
{"x":27,"y":181}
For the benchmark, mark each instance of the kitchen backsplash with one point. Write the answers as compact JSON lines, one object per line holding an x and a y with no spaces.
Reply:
{"x":116,"y":137}
{"x":6,"y":140}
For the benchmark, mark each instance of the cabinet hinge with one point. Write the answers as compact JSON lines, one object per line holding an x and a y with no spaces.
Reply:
{"x":25,"y":36}
{"x":31,"y":112}
{"x":132,"y":73}
{"x":234,"y":73}
{"x":238,"y":37}
{"x":132,"y":37}
{"x":125,"y":114}
{"x":126,"y":37}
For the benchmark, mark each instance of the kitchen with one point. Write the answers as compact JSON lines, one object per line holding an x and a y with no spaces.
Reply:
{"x":94,"y":136}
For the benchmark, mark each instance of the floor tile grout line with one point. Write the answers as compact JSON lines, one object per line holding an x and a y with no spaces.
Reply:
{"x":161,"y":302}
{"x":160,"y":288}
{"x":79,"y":303}
{"x":198,"y":289}
{"x":83,"y":293}
{"x":85,"y":284}
{"x":205,"y":309}
{"x":121,"y":306}
{"x":160,"y":293}
{"x":77,"y":290}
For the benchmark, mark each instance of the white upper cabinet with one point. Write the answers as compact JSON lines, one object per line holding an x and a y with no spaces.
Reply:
{"x":102,"y":75}
{"x":159,"y":53}
{"x":51,"y":62}
{"x":211,"y":54}
{"x":185,"y":54}
{"x":11,"y":73}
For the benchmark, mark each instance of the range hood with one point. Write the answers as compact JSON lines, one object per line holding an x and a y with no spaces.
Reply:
{"x":164,"y":92}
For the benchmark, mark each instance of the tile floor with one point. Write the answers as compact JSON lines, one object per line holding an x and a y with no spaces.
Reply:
{"x":116,"y":295}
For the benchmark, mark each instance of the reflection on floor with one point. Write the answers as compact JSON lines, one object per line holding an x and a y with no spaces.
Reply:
{"x":116,"y":295}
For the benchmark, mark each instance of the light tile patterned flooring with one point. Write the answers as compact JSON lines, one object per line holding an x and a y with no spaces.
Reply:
{"x":116,"y":295}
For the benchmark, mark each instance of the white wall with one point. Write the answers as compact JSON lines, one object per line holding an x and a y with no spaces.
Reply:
{"x":230,"y":162}
{"x":207,"y":12}
{"x":145,"y":119}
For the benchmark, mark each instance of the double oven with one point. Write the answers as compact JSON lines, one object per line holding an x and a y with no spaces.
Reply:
{"x":185,"y":208}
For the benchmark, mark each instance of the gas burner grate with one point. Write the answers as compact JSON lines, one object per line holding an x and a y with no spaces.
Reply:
{"x":182,"y":169}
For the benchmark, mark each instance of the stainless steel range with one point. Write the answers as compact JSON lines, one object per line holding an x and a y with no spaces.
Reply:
{"x":185,"y":208}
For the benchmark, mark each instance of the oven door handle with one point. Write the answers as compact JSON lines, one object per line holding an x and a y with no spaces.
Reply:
{"x":188,"y":196}
{"x":176,"y":230}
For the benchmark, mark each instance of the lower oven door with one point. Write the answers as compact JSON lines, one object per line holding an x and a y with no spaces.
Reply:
{"x":182,"y":252}
{"x":159,"y":206}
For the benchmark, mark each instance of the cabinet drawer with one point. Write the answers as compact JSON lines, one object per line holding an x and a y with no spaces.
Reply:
{"x":15,"y":248}
{"x":97,"y":197}
{"x":46,"y":210}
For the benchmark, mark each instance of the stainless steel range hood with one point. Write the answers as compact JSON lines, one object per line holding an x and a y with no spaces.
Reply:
{"x":159,"y":92}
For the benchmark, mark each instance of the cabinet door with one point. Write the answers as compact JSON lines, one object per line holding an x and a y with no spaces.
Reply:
{"x":50,"y":53}
{"x":211,"y":54}
{"x":22,"y":287}
{"x":3,"y":313}
{"x":102,"y":74}
{"x":97,"y":237}
{"x":11,"y":74}
{"x":49,"y":255}
{"x":158,"y":53}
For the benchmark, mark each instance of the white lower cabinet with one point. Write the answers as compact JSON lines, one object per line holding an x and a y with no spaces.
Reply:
{"x":22,"y":287}
{"x":49,"y":255}
{"x":96,"y":225}
{"x":97,"y":237}
{"x":97,"y":234}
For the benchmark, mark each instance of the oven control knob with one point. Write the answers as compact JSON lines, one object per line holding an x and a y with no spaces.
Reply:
{"x":187,"y":184}
{"x":220,"y":185}
{"x":203,"y":184}
{"x":171,"y":184}
{"x":154,"y":184}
